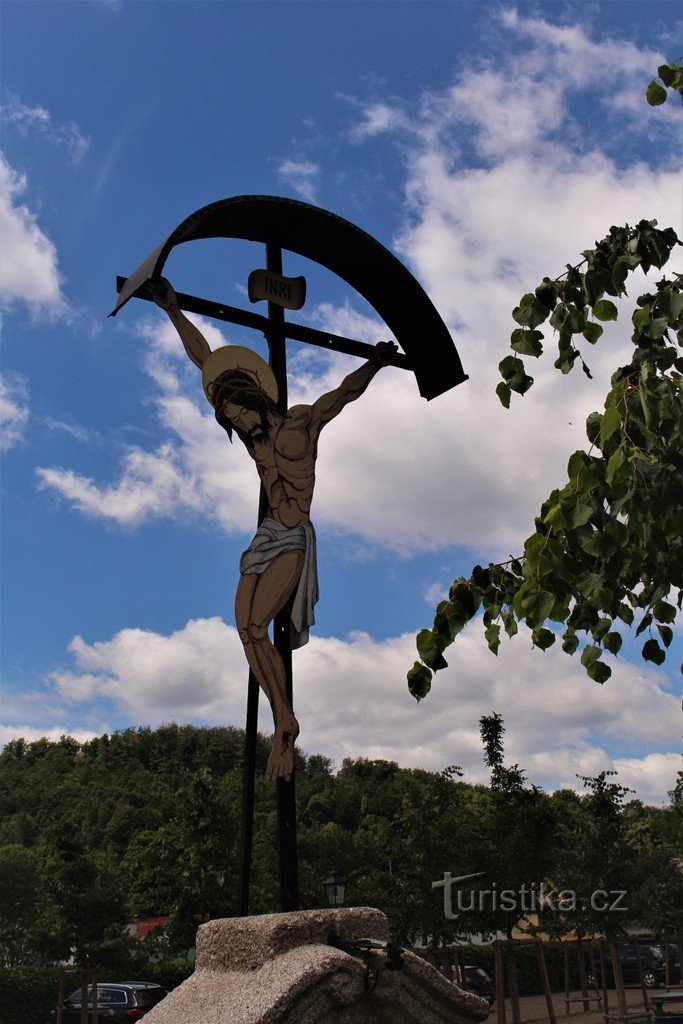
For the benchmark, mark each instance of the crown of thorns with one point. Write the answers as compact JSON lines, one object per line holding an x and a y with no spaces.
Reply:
{"x":230,"y":383}
{"x":239,"y":368}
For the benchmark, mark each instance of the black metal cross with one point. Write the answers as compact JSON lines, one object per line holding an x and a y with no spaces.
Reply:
{"x":276,"y":330}
{"x":397,"y":297}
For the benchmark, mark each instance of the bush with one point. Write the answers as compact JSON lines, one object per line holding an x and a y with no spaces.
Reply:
{"x":27,"y":994}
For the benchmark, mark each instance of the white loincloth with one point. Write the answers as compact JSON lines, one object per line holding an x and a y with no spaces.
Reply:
{"x":273,"y":539}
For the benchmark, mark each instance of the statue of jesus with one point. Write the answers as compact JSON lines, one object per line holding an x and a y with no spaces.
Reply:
{"x":281,"y":559}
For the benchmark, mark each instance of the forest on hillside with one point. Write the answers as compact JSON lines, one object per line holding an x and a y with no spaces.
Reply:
{"x":146,"y":822}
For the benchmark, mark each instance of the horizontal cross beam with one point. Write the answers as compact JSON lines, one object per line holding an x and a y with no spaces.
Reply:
{"x":297,"y":332}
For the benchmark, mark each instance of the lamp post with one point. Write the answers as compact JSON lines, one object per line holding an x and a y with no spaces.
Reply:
{"x":335,"y":888}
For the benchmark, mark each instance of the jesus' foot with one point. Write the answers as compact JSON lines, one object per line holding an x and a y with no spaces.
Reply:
{"x":281,"y":760}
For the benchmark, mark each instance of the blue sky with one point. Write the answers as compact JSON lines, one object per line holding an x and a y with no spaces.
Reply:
{"x":486,"y":144}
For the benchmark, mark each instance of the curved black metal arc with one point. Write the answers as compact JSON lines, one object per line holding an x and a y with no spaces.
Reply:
{"x":346,"y":250}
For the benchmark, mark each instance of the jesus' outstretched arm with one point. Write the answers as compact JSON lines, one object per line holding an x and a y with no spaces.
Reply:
{"x":194,"y":341}
{"x":352,"y":387}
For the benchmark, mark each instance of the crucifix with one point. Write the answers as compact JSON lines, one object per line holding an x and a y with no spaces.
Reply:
{"x":278,"y":577}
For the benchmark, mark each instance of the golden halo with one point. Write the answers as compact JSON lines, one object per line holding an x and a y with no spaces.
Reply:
{"x":237,"y":357}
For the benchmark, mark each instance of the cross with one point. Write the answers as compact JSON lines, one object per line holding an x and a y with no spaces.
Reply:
{"x":356,"y":257}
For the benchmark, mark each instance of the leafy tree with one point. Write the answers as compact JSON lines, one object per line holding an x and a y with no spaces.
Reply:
{"x":607,"y":545}
{"x":146,"y":822}
{"x":83,"y":912}
{"x":658,"y":834}
{"x":600,"y":868}
{"x":515,"y":848}
{"x":19,"y":888}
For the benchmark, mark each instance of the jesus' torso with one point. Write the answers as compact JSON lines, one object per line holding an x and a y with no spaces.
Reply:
{"x":286,"y":466}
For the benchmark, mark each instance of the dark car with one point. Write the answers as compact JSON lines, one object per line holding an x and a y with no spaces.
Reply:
{"x":478,"y":981}
{"x":652,"y":958}
{"x":127,"y":1001}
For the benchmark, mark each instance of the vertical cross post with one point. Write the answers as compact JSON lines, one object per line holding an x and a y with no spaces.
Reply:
{"x":288,"y":869}
{"x":249,"y":770}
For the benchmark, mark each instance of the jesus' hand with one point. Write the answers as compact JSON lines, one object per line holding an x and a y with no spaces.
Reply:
{"x":162,"y":293}
{"x":384,"y":351}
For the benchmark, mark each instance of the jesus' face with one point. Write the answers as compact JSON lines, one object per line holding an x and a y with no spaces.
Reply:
{"x":247,"y":422}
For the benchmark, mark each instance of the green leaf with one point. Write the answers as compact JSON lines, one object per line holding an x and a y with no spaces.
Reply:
{"x":530,"y":312}
{"x":538,"y":604}
{"x":605,"y":310}
{"x":514,"y":374}
{"x":664,"y":612}
{"x":595,"y":281}
{"x":592,"y":332}
{"x":455,"y":617}
{"x":611,"y":421}
{"x":590,"y":655}
{"x":616,"y":461}
{"x":462,"y":593}
{"x":593,"y":426}
{"x":527,"y":343}
{"x":577,"y":321}
{"x":655,"y":94}
{"x":570,"y":643}
{"x":667,"y":74}
{"x":543,"y":638}
{"x":580,"y":474}
{"x":429,"y":647}
{"x":510,"y":623}
{"x":504,"y":393}
{"x":547,"y":292}
{"x":643,"y":624}
{"x":510,"y":367}
{"x":655,"y":328}
{"x":492,"y":635}
{"x":612,"y":642}
{"x":653,"y":652}
{"x":667,"y":634}
{"x":599,"y":672}
{"x":533,"y":547}
{"x":419,"y":681}
{"x":625,"y":613}
{"x":671,"y":304}
{"x":601,"y":629}
{"x":555,"y":518}
{"x":581,"y":514}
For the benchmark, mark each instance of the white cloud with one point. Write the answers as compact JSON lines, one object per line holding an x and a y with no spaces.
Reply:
{"x":30,"y":733}
{"x":645,"y":775}
{"x":377,"y":119}
{"x":516,"y":106}
{"x":14,"y":410}
{"x":28,"y":259}
{"x":151,"y":484}
{"x":38,"y":121}
{"x":302,"y":176}
{"x":85,"y":435}
{"x":352,"y":701}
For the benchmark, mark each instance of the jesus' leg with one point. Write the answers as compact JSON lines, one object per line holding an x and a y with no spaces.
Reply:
{"x":259,"y":599}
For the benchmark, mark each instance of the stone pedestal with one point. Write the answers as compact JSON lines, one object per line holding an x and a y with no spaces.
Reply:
{"x":281,"y":969}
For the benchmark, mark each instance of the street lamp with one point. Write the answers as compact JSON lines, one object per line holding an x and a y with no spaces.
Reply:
{"x":335,"y":887}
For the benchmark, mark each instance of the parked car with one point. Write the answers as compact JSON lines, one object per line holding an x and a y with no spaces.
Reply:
{"x":478,"y":981}
{"x":128,"y":1001}
{"x":652,"y":957}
